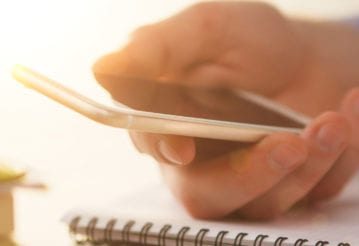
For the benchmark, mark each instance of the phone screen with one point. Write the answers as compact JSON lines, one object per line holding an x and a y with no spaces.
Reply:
{"x":174,"y":99}
{"x":221,"y":107}
{"x":214,"y":103}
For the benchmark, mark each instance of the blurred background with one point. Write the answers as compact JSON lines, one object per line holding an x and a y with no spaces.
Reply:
{"x":79,"y":158}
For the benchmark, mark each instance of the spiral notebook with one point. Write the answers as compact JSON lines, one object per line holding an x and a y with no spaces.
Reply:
{"x":152,"y":217}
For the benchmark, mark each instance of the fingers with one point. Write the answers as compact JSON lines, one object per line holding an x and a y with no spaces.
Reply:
{"x":326,"y":139}
{"x":207,"y":44}
{"x":215,"y":188}
{"x":168,"y":149}
{"x":265,"y":179}
{"x":180,"y":150}
{"x":346,"y":167}
{"x":162,"y":51}
{"x":168,"y":48}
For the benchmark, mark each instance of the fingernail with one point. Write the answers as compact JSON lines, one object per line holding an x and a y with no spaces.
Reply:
{"x":169,"y":153}
{"x":286,"y":156}
{"x":330,"y":138}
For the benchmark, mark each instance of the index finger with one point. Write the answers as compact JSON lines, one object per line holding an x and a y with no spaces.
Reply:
{"x":165,"y":50}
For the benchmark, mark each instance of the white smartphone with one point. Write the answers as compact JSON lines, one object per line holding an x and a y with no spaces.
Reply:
{"x":164,"y":123}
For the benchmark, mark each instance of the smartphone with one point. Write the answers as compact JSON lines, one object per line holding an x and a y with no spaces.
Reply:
{"x":275,"y":117}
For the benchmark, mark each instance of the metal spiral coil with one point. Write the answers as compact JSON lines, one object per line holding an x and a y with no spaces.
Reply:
{"x":181,"y":235}
{"x":219,"y":238}
{"x":90,"y":235}
{"x":200,"y":236}
{"x":144,"y":233}
{"x":107,"y":234}
{"x":162,"y":235}
{"x":259,"y":240}
{"x":279,"y":241}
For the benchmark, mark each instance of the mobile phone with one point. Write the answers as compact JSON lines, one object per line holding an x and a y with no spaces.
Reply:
{"x":165,"y":123}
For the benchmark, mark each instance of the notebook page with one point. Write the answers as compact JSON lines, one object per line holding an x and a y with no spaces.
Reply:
{"x":336,"y":221}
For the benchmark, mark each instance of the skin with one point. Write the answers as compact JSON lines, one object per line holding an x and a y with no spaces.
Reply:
{"x":308,"y":66}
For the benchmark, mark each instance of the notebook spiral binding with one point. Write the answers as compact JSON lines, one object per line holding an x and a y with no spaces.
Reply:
{"x":107,"y":237}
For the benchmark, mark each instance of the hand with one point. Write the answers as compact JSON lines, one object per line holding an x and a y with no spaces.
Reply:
{"x":210,"y":49}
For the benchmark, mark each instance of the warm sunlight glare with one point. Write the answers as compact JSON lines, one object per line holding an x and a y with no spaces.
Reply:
{"x":62,"y":39}
{"x":81,"y":159}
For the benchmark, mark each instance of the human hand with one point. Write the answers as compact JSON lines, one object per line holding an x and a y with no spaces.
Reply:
{"x":232,"y":45}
